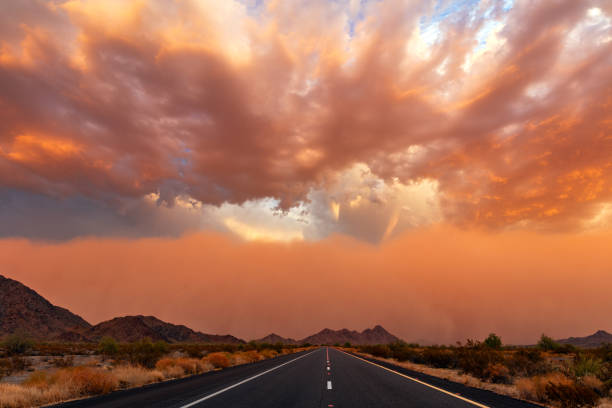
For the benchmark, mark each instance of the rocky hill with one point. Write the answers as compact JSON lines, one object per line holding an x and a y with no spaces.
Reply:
{"x":23,"y":310}
{"x":594,"y":340}
{"x":274,"y":338}
{"x":377,"y":335}
{"x":133,"y":328}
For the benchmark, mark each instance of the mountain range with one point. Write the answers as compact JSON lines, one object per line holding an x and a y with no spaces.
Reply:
{"x":596,"y":339}
{"x":24,"y":310}
{"x":376,"y":335}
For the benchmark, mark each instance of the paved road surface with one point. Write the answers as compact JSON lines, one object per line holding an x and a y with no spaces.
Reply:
{"x":325,"y":377}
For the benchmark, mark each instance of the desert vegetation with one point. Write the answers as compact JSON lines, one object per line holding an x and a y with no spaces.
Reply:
{"x":111,"y":366}
{"x":548,"y":373}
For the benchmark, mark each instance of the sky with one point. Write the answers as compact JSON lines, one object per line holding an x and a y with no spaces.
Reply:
{"x":442,"y":168}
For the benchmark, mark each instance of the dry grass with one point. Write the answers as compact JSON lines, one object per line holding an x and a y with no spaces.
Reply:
{"x":534,"y":388}
{"x":268,"y":353}
{"x":218,"y":360}
{"x":178,"y":367}
{"x":41,"y":388}
{"x":135,"y":376}
{"x":245,"y":357}
{"x":74,"y":382}
{"x":452,"y":375}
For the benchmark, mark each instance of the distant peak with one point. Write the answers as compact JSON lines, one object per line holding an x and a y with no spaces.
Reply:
{"x":601,"y":332}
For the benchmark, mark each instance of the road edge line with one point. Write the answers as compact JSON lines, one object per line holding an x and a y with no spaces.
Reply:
{"x":419,"y":381}
{"x":243,"y":381}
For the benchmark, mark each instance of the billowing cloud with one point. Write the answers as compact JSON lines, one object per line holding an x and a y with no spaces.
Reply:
{"x":496,"y":115}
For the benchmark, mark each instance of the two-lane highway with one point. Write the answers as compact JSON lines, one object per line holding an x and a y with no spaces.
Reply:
{"x":324,"y":377}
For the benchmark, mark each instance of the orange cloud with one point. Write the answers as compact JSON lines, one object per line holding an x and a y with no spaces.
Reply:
{"x":506,"y":111}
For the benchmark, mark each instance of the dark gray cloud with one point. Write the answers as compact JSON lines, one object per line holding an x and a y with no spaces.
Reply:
{"x":37,"y":216}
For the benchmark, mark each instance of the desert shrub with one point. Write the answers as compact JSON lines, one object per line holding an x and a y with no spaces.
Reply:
{"x":177,"y":367}
{"x":135,"y":376}
{"x":12,"y":364}
{"x":378,"y":350}
{"x":586,"y":366}
{"x":498,"y":373}
{"x":241,"y":357}
{"x":439,"y":357}
{"x":193,"y":350}
{"x":108,"y":346}
{"x":84,"y":381}
{"x":534,"y":388}
{"x":252,"y":356}
{"x":527,"y":363}
{"x":164,"y":363}
{"x":594,"y":383}
{"x":191,"y":365}
{"x":146,"y":353}
{"x":347,"y":345}
{"x":405,"y":352}
{"x":571,"y":394}
{"x":268,"y":353}
{"x":560,"y":390}
{"x":17,"y":363}
{"x":218,"y":360}
{"x":37,"y":379}
{"x":278,"y":347}
{"x":493,"y":341}
{"x":476,"y":360}
{"x":17,"y":344}
{"x":62,"y":362}
{"x":546,"y":343}
{"x":527,"y":389}
{"x":604,"y":353}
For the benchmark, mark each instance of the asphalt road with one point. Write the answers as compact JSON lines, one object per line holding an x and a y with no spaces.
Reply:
{"x":324,"y":377}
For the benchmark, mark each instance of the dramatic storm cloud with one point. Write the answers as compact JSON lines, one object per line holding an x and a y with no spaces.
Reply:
{"x":491,"y":113}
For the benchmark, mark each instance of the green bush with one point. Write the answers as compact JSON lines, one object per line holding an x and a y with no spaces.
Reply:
{"x":493,"y":341}
{"x":586,"y":366}
{"x":146,"y":353}
{"x":548,"y":344}
{"x":17,"y":344}
{"x":108,"y":346}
